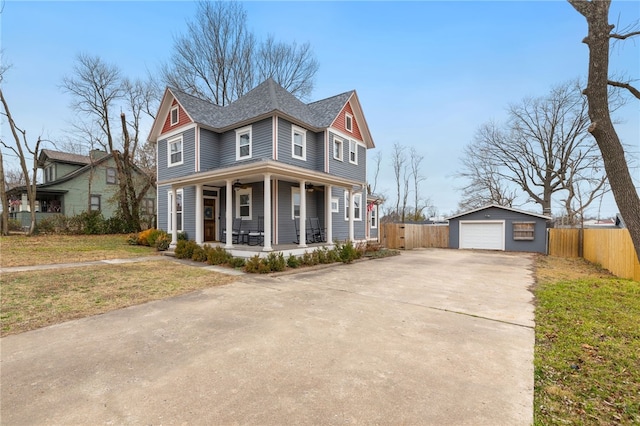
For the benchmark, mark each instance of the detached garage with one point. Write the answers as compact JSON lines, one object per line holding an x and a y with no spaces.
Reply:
{"x":499,"y":228}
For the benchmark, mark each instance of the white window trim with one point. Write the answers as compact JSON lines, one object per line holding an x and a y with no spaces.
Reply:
{"x":335,"y":205}
{"x":239,"y":132}
{"x":358,"y":217}
{"x":303,"y":132}
{"x":355,"y":145}
{"x":294,"y":191}
{"x":170,"y":210}
{"x":337,"y":140}
{"x":174,"y":108}
{"x":348,"y":118}
{"x":374,"y":216}
{"x":171,"y":141}
{"x":244,"y":191}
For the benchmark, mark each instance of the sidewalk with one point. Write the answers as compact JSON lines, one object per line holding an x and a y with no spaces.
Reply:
{"x":219,"y":269}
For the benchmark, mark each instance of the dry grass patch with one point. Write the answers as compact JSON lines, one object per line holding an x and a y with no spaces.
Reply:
{"x":31,"y":300}
{"x":587,"y":350}
{"x":22,"y":250}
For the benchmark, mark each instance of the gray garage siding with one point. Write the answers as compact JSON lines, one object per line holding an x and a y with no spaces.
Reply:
{"x":537,"y":245}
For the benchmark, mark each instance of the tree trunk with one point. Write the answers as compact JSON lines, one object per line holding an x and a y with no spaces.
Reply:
{"x":616,"y":166}
{"x":3,"y":197}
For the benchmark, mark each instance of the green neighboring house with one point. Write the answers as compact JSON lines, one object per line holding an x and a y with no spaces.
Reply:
{"x":73,"y":184}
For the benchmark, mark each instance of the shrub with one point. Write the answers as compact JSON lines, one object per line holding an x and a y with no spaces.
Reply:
{"x":132,"y":239}
{"x":199,"y":253}
{"x":91,"y":222}
{"x":184,"y":249}
{"x":14,"y":225}
{"x":143,"y":237}
{"x":46,"y":226}
{"x":293,"y":261}
{"x":117,"y":225}
{"x":309,"y":259}
{"x":163,"y":242}
{"x":218,"y":256}
{"x":276,"y":262}
{"x":237,"y":262}
{"x":255,"y":265}
{"x":347,"y":252}
{"x":183,"y":236}
{"x":153,"y":235}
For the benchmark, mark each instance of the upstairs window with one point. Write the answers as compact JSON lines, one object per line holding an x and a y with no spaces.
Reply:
{"x":348,"y":122}
{"x":524,"y":231}
{"x":148,"y":206}
{"x":112,"y":176}
{"x":337,"y":148}
{"x":175,"y":151}
{"x":243,"y":143}
{"x":174,"y":116}
{"x":299,"y":143}
{"x":353,"y":152}
{"x":243,"y":204}
{"x":50,"y":173}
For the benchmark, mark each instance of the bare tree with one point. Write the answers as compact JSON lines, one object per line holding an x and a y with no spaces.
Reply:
{"x":219,"y":59}
{"x":21,"y":145}
{"x":600,"y":33}
{"x":377,"y":162}
{"x":3,"y":199}
{"x":541,"y":150}
{"x":398,"y":160}
{"x":415,"y":161}
{"x":98,"y":89}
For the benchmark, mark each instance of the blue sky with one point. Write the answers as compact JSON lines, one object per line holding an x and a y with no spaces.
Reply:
{"x":428,"y":74}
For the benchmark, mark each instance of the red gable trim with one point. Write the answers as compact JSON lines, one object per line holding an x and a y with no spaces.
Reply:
{"x":339,"y":122}
{"x":183,"y":118}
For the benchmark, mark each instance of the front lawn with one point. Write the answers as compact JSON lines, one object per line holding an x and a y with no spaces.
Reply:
{"x":587,"y":351}
{"x":22,"y":250}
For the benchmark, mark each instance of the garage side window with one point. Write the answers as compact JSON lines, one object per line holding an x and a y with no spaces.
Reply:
{"x":524,"y":230}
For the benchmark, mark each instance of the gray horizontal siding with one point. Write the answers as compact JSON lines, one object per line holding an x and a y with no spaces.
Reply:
{"x":344,"y":168}
{"x":315,"y":150}
{"x":209,"y":150}
{"x":340,"y":225}
{"x":188,"y":157}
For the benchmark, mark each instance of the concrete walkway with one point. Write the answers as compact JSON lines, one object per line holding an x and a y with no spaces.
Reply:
{"x":429,"y":337}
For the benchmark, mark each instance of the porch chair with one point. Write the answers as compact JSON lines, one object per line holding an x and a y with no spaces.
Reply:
{"x":256,"y":237}
{"x":317,"y":232}
{"x":235,"y":231}
{"x":308,"y":232}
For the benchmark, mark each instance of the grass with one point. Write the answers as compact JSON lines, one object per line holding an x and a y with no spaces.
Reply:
{"x":31,"y":300}
{"x":587,"y":351}
{"x":22,"y":250}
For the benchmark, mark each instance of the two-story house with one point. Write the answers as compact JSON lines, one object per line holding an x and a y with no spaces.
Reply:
{"x":263,"y":162}
{"x":74,"y":183}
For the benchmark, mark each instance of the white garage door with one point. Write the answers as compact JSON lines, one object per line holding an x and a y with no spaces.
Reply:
{"x":484,"y":235}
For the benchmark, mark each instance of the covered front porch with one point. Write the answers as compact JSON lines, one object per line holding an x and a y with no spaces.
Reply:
{"x":266,"y":197}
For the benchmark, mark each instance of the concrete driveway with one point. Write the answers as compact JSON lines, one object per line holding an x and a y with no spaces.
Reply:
{"x":429,"y":337}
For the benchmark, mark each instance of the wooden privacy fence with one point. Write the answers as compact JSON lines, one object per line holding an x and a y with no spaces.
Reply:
{"x":408,"y":236}
{"x":610,"y":248}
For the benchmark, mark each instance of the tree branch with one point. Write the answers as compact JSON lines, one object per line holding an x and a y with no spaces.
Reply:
{"x":624,"y":36}
{"x":635,"y":92}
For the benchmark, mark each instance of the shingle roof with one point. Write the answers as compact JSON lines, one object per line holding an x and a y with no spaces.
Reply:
{"x":66,"y":157}
{"x":262,"y":100}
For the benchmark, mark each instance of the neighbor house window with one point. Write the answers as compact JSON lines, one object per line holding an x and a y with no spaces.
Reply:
{"x":243,"y":204}
{"x":335,"y":205}
{"x":148,"y":206}
{"x":175,"y":151}
{"x":374,"y":216}
{"x":95,"y":203}
{"x":178,"y":210}
{"x":243,"y":143}
{"x":353,"y":152}
{"x":174,"y":116}
{"x":295,"y":203}
{"x":348,"y":122}
{"x":299,"y":143}
{"x":337,"y":148}
{"x":50,"y":173}
{"x":524,"y":230}
{"x":357,"y":206}
{"x":112,"y":176}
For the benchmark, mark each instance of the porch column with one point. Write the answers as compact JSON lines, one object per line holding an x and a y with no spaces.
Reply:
{"x":266,"y":241}
{"x":199,"y":213}
{"x":228,"y":216}
{"x":303,"y":214}
{"x":351,"y":213}
{"x":174,"y":216}
{"x":328,"y":221}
